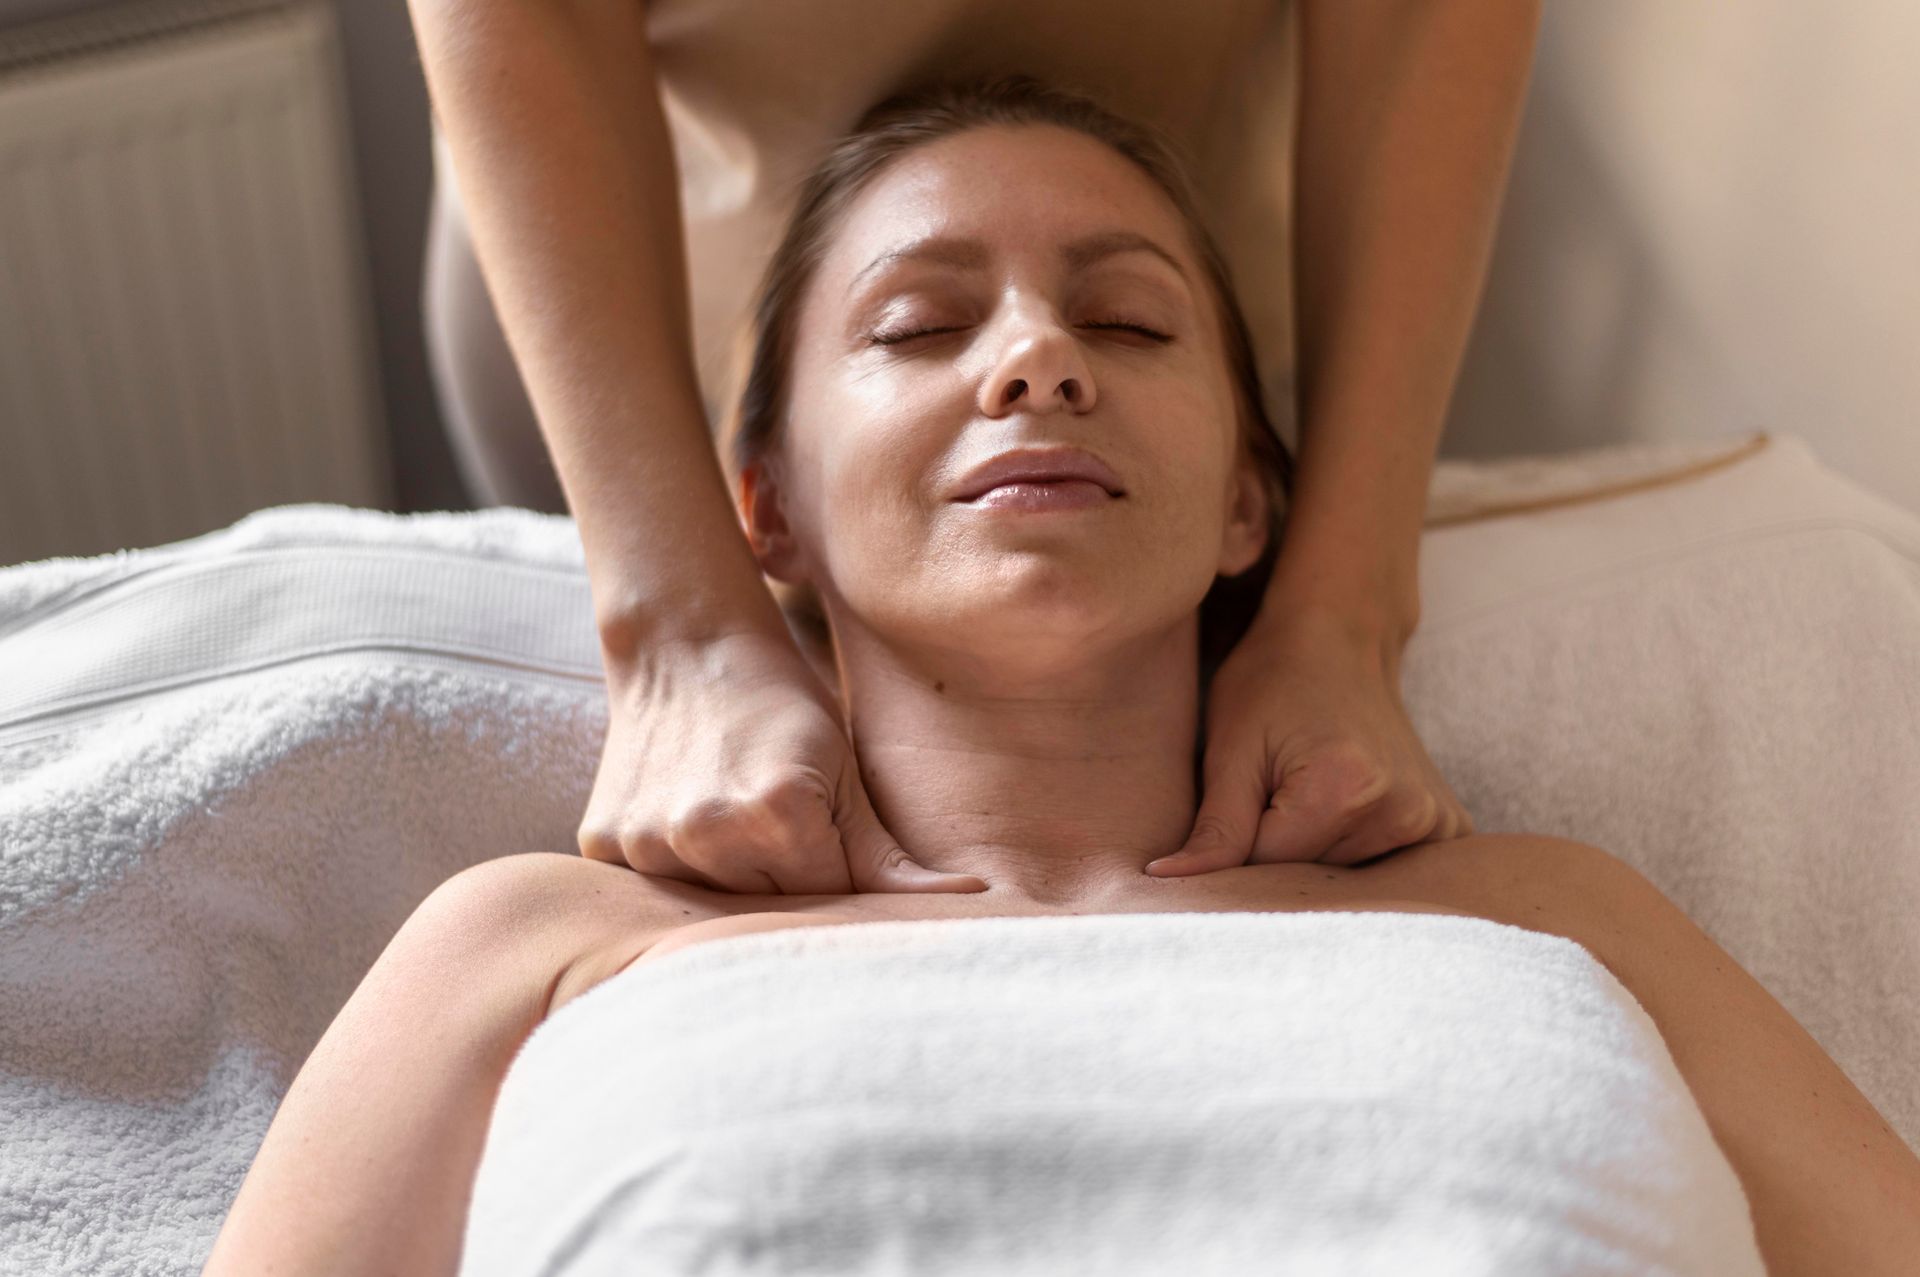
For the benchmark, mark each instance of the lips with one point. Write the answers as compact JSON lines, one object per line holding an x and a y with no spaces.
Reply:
{"x":1037,"y":465}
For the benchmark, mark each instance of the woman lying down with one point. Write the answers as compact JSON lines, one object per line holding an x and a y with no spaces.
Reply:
{"x":1022,"y":664}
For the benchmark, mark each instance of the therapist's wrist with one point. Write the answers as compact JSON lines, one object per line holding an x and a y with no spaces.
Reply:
{"x":1375,"y":618}
{"x":632,"y":631}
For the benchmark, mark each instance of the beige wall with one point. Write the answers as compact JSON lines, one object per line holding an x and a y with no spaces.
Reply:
{"x":1713,"y":227}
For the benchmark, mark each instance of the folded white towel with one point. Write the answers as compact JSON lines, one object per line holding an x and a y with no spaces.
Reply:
{"x":1318,"y":1093}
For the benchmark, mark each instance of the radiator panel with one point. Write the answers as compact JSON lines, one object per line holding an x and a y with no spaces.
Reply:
{"x":185,"y":319}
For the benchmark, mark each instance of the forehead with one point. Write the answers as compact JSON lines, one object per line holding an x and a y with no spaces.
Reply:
{"x":966,"y":200}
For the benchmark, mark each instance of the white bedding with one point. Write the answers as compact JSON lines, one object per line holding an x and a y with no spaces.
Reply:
{"x":230,"y":767}
{"x":1323,"y":1094}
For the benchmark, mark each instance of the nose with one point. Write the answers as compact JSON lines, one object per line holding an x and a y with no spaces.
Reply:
{"x":1040,"y":369}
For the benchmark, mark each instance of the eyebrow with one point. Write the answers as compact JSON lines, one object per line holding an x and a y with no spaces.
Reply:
{"x":971,"y":254}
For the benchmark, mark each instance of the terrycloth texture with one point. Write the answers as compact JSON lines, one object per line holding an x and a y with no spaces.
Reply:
{"x":1347,"y":1094}
{"x":1719,"y":682}
{"x":229,"y":770}
{"x":230,"y":767}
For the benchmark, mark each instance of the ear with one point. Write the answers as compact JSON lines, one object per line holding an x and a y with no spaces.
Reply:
{"x":1245,"y":539}
{"x":765,"y":523}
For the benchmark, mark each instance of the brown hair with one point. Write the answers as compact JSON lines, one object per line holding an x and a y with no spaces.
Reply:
{"x":907,"y":120}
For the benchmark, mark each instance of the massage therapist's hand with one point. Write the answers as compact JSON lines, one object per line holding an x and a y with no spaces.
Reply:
{"x":1310,"y":755}
{"x":726,"y":766}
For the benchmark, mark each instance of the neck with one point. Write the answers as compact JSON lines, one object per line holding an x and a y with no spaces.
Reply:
{"x":1055,"y":779}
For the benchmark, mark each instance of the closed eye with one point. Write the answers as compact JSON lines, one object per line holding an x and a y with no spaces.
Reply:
{"x":895,"y":339}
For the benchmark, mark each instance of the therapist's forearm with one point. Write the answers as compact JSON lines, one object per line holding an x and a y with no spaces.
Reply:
{"x":1408,"y":114}
{"x":552,"y":114}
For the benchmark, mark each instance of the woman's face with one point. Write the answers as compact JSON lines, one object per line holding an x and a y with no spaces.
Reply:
{"x":861,"y":499}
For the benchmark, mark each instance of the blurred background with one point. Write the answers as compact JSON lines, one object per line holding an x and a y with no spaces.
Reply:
{"x":214,"y":216}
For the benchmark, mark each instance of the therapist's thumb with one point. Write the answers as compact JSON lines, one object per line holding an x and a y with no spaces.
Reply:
{"x":1223,"y":829}
{"x":876,"y":862}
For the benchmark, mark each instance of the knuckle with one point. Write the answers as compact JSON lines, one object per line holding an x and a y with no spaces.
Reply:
{"x":700,"y":820}
{"x":1420,"y":819}
{"x":644,"y":849}
{"x":1351,"y":775}
{"x":794,"y":797}
{"x":598,"y":844}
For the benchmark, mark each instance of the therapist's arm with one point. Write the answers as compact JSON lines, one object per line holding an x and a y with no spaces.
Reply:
{"x":552,"y":114}
{"x":1408,"y":113}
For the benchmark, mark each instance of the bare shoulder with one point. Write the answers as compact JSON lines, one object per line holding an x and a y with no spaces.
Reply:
{"x":1524,"y":880}
{"x":572,"y":922}
{"x":1832,"y":1186}
{"x":1540,"y":882}
{"x":566,"y":923}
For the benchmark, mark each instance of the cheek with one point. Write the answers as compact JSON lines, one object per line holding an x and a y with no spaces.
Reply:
{"x":876,"y":469}
{"x":1188,"y":440}
{"x":864,"y":461}
{"x":871,"y":508}
{"x":1186,"y":498}
{"x":1176,"y":535}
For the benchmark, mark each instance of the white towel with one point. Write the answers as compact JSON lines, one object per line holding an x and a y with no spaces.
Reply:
{"x":1347,"y":1094}
{"x":229,"y":770}
{"x":1719,"y":682}
{"x":230,"y":767}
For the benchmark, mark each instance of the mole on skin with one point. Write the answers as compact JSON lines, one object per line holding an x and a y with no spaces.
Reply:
{"x":939,"y":686}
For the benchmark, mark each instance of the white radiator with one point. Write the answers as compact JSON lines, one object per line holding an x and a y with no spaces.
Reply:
{"x":185,"y":315}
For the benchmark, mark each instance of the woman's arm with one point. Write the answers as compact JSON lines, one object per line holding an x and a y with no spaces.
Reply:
{"x":552,"y":114}
{"x":1832,"y":1188}
{"x":1408,"y":114}
{"x":369,"y":1162}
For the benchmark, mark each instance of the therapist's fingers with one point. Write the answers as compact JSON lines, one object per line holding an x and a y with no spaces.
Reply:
{"x":1370,"y":841}
{"x":1320,"y":800}
{"x":1230,"y":807}
{"x":875,"y":858}
{"x":778,"y":837}
{"x":726,"y":764}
